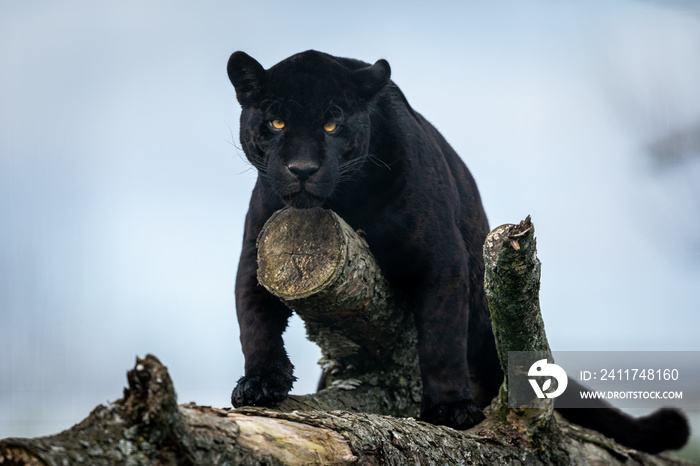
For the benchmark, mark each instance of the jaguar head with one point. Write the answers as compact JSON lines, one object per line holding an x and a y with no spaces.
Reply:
{"x":305,"y":122}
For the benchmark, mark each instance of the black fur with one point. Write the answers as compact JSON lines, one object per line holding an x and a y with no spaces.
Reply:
{"x":664,"y":429}
{"x":387,"y":171}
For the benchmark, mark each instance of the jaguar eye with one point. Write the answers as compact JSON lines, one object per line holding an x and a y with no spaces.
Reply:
{"x":330,"y":127}
{"x":276,"y":125}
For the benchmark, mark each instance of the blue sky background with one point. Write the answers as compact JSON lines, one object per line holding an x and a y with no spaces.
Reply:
{"x":123,"y":191}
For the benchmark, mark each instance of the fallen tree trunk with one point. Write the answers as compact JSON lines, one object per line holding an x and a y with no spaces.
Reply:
{"x":147,"y":426}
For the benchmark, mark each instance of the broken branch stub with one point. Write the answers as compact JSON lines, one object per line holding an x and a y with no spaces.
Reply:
{"x":512,"y":284}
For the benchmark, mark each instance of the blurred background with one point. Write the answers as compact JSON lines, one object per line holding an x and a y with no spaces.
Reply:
{"x":123,"y":189}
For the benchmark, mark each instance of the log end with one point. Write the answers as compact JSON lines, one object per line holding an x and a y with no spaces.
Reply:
{"x":299,"y":252}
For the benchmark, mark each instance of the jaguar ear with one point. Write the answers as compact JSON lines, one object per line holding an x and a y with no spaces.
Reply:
{"x":246,"y":75}
{"x":371,"y":79}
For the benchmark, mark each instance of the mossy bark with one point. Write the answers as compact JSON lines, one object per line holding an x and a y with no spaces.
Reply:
{"x":512,"y":285}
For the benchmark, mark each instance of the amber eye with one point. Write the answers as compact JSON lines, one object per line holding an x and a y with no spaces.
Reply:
{"x":277,"y":125}
{"x":330,"y":127}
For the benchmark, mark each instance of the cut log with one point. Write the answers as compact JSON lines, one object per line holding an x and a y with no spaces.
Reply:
{"x":314,"y":262}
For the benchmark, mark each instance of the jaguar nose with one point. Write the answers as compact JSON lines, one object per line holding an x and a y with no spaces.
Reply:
{"x":303,"y":170}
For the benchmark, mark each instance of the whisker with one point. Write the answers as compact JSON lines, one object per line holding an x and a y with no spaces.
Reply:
{"x":247,"y":170}
{"x":260,"y":166}
{"x":351,"y":163}
{"x":377,"y":161}
{"x":348,"y":168}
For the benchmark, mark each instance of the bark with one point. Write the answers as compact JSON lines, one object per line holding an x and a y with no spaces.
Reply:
{"x":147,"y":426}
{"x":321,"y":268}
{"x":512,"y":284}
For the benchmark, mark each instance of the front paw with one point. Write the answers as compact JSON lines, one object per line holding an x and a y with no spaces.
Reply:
{"x":461,"y":414}
{"x":261,"y":390}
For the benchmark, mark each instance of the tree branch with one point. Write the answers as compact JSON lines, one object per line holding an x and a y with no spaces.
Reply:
{"x":512,"y":285}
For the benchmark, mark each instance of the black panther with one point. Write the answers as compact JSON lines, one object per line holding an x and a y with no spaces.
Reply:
{"x":338,"y":133}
